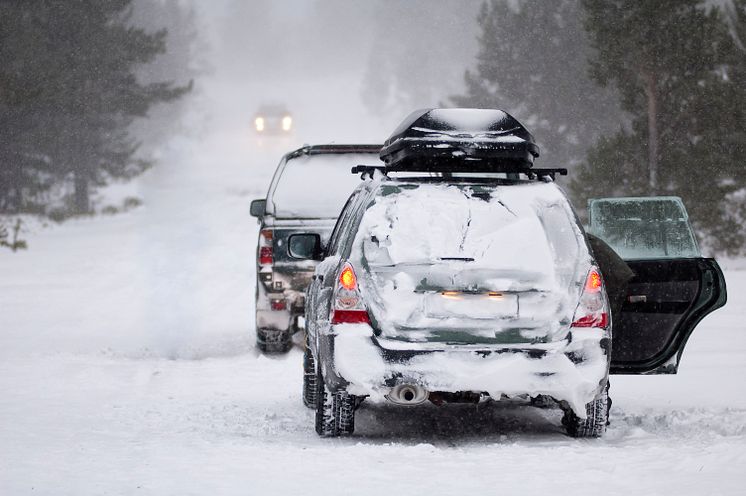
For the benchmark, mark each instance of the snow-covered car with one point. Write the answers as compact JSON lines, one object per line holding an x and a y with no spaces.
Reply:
{"x":273,"y":119}
{"x":449,"y":281}
{"x":295,"y":204}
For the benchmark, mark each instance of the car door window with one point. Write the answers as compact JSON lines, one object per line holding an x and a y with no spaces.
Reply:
{"x":339,"y":227}
{"x":644,"y":228}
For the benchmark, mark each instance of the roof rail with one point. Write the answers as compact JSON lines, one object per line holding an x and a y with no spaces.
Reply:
{"x":333,"y":149}
{"x":532,"y":173}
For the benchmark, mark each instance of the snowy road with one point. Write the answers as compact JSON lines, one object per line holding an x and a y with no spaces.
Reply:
{"x":97,"y":425}
{"x":127,"y":367}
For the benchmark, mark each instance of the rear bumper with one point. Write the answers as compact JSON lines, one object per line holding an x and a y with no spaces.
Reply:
{"x":284,"y":317}
{"x":574,"y":371}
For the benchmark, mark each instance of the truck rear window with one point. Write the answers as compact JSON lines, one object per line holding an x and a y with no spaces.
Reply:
{"x":317,"y":186}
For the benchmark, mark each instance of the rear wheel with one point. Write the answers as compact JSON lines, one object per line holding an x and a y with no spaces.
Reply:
{"x":543,"y":401}
{"x":594,"y":425}
{"x":273,"y":341}
{"x":309,"y":379}
{"x":335,"y":411}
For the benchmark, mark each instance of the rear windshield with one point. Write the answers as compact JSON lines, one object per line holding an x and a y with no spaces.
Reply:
{"x":317,"y":186}
{"x":523,"y":228}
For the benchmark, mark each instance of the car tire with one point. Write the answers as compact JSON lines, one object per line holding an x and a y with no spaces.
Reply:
{"x":273,"y":341}
{"x":309,"y":378}
{"x":335,"y":411}
{"x":597,"y":416}
{"x":543,"y":401}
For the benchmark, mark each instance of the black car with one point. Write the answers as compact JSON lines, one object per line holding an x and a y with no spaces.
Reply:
{"x":294,"y":204}
{"x":459,"y":272}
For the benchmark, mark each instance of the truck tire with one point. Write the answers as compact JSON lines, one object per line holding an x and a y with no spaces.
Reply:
{"x":335,"y":411}
{"x":273,"y":341}
{"x":309,"y":379}
{"x":594,"y":425}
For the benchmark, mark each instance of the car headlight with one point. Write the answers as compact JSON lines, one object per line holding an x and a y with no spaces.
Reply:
{"x":259,"y":123}
{"x":287,"y":123}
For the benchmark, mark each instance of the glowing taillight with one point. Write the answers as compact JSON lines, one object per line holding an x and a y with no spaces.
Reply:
{"x":347,"y":278}
{"x":592,"y":308}
{"x":348,"y":306}
{"x":266,"y":256}
{"x":593,"y":282}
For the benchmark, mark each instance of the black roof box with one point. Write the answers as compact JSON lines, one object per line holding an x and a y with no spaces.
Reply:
{"x":478,"y":140}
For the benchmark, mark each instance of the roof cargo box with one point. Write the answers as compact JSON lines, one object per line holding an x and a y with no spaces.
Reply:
{"x":479,"y":140}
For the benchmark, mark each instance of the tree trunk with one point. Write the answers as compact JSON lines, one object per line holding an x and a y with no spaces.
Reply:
{"x":82,"y":202}
{"x":651,"y":92}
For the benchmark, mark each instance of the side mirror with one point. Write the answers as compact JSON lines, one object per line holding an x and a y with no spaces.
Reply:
{"x":306,"y":246}
{"x":258,"y":207}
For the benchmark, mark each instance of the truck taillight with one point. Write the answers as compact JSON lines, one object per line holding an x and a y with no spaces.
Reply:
{"x":593,"y":308}
{"x":278,"y":304}
{"x":266,"y":256}
{"x":348,"y":306}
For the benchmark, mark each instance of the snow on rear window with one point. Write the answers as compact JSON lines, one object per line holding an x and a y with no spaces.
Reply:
{"x":317,"y":186}
{"x":525,"y":228}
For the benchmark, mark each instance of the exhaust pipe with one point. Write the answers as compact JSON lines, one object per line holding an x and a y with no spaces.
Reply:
{"x":407,"y":394}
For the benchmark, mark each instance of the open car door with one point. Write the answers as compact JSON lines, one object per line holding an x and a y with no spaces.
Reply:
{"x":674,"y":286}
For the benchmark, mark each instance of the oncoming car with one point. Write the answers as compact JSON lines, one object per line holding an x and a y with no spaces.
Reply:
{"x":273,"y":119}
{"x":455,"y":280}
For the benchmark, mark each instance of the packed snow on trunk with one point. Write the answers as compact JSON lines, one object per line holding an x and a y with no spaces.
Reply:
{"x":497,"y":264}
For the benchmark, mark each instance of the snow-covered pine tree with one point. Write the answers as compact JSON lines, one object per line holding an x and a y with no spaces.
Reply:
{"x":418,"y":53}
{"x":102,"y":53}
{"x":25,"y":171}
{"x":680,"y":74}
{"x":181,"y":62}
{"x":532,"y":62}
{"x":73,"y":67}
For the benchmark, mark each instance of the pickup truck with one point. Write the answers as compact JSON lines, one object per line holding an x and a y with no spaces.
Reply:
{"x":306,"y":195}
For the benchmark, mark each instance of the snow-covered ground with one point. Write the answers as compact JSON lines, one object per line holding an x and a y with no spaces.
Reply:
{"x":127,"y":366}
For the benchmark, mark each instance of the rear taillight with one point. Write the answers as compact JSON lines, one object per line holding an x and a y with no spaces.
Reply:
{"x":347,"y":278}
{"x":278,"y":304}
{"x":266,"y":257}
{"x":347,"y":305}
{"x":350,"y":317}
{"x":593,"y":309}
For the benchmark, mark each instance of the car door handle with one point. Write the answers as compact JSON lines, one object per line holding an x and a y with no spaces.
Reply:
{"x":637,"y":298}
